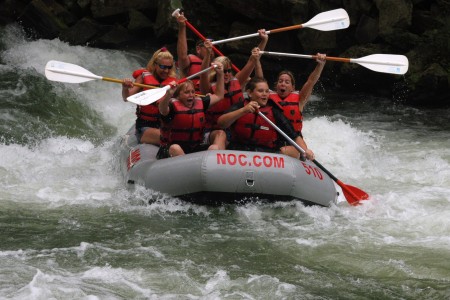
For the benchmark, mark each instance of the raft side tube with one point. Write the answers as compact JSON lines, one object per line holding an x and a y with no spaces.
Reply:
{"x":225,"y":172}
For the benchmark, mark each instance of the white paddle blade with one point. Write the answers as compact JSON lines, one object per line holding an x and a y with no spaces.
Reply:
{"x":66,"y":72}
{"x":149,"y":96}
{"x":176,"y":13}
{"x":385,"y":63}
{"x":329,"y":20}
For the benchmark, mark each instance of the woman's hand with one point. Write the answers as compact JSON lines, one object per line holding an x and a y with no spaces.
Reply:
{"x":127,"y":83}
{"x":321,"y":58}
{"x":181,"y":19}
{"x":256,"y":54}
{"x":208,"y":45}
{"x":218,"y":66}
{"x":252,"y":107}
{"x":263,"y":34}
{"x":309,"y":154}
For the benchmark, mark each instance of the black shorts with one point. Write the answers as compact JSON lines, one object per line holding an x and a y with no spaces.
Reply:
{"x":140,"y":123}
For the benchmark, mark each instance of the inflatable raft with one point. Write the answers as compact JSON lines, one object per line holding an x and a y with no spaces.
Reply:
{"x":228,"y":176}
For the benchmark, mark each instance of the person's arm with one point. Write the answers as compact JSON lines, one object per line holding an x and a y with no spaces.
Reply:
{"x":163,"y":105}
{"x":264,"y":39}
{"x":307,"y":88}
{"x":182,"y":48}
{"x":285,"y":125}
{"x":220,"y":85}
{"x":308,"y":152}
{"x":128,"y":89}
{"x":205,"y":84}
{"x":258,"y":67}
{"x":227,"y":119}
{"x":244,"y":74}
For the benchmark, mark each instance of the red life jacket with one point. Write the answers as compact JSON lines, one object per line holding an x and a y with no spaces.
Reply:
{"x":187,"y":125}
{"x":151,"y":112}
{"x":251,"y":129}
{"x":291,"y":110}
{"x":233,"y":95}
{"x":139,"y":72}
{"x":195,"y":67}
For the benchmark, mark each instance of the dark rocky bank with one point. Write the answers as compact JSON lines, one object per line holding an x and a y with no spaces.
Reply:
{"x":418,"y":29}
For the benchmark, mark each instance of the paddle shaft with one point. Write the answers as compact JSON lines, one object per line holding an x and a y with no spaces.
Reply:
{"x":196,"y":74}
{"x":386,"y":63}
{"x":331,"y":58}
{"x":354,"y":197}
{"x":339,"y":59}
{"x":149,"y":96}
{"x":89,"y":75}
{"x":155,"y":87}
{"x":323,"y":21}
{"x":134,"y":83}
{"x":256,"y":34}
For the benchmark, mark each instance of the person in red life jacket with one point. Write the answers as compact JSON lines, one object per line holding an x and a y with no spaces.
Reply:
{"x":293,"y":101}
{"x":189,"y":64}
{"x":234,"y":84}
{"x":160,"y":72}
{"x":251,"y":132}
{"x":183,"y":119}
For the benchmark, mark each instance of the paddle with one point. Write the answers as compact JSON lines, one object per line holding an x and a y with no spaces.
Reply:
{"x":66,"y":72}
{"x":176,"y":13}
{"x":149,"y":96}
{"x":326,"y":21}
{"x":385,"y":63}
{"x":351,"y":193}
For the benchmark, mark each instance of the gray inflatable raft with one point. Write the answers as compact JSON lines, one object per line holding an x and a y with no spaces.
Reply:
{"x":216,"y":177}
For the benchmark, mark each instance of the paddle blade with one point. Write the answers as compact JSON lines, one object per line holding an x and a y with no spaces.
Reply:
{"x":329,"y":20}
{"x":352,"y":193}
{"x":148,"y":97}
{"x":385,"y":63}
{"x":66,"y":72}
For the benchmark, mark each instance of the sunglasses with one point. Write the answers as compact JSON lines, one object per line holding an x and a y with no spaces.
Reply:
{"x":227,"y":71}
{"x":165,"y":67}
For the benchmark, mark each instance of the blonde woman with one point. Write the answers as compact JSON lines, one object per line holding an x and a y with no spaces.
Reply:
{"x":160,"y":71}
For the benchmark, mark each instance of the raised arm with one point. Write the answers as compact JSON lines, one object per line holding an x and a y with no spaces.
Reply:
{"x":244,"y":74}
{"x":163,"y":105}
{"x":307,"y":88}
{"x":308,"y":152}
{"x":258,"y":67}
{"x":247,"y":70}
{"x":220,"y":85}
{"x":264,"y":39}
{"x":182,"y":48}
{"x":205,"y":84}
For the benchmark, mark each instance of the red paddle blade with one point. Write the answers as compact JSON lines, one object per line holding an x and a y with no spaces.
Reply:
{"x":353,"y":194}
{"x":358,"y":192}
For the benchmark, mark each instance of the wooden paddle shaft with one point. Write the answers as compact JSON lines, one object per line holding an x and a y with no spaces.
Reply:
{"x":136,"y":84}
{"x":331,"y":58}
{"x":286,"y":28}
{"x":341,"y":59}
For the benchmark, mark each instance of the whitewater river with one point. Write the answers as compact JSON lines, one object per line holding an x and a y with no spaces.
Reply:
{"x":70,"y":228}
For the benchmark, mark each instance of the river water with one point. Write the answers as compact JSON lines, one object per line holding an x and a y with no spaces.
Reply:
{"x":70,"y":228}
